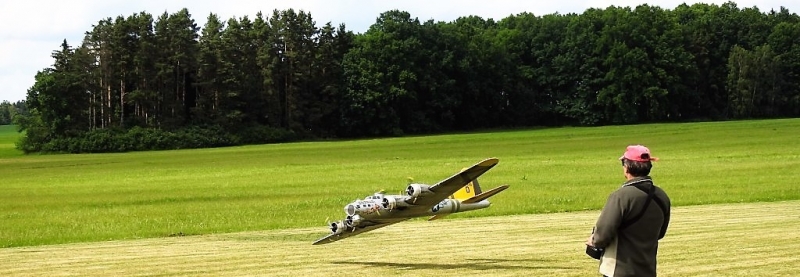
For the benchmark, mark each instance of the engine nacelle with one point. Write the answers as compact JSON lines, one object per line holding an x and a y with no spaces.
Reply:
{"x":391,"y":202}
{"x":337,"y":227}
{"x":352,"y":221}
{"x":415,"y":190}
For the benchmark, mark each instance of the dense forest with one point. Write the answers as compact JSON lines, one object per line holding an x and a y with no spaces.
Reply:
{"x":139,"y":82}
{"x":10,"y":110}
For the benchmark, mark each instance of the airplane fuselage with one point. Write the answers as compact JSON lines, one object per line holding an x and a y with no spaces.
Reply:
{"x":372,"y":208}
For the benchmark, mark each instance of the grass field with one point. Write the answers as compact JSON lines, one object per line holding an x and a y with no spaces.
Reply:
{"x":750,"y":239}
{"x":55,"y":199}
{"x":8,"y":138}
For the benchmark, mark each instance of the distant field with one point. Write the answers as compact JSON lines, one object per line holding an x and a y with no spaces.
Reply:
{"x":53,"y":199}
{"x":8,"y":139}
{"x":750,"y":239}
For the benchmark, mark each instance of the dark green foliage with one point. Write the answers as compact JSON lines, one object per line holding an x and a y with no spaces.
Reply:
{"x":143,"y":139}
{"x":140,"y":82}
{"x":383,"y":75}
{"x":784,"y":42}
{"x":258,"y":134}
{"x":10,"y":111}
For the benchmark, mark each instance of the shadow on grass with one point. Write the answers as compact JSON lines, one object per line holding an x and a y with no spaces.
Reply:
{"x":471,"y":264}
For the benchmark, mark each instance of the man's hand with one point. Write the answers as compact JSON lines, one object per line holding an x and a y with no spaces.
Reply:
{"x":590,"y":241}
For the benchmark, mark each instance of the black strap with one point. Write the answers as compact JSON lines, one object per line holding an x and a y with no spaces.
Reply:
{"x":650,"y":198}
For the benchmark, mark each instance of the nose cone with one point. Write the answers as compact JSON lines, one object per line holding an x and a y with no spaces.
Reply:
{"x":350,"y":209}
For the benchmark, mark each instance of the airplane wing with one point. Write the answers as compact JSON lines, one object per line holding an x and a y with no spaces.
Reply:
{"x":448,"y":186}
{"x":364,"y":226}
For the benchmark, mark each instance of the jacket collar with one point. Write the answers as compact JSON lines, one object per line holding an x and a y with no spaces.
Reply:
{"x":637,"y":180}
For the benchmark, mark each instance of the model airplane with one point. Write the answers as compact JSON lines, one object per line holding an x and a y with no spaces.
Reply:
{"x":459,"y":193}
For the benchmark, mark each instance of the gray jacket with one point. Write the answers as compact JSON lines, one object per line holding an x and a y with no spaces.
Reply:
{"x":631,"y":250}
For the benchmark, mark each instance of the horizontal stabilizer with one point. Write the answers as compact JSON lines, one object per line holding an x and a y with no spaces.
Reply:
{"x":485,"y":195}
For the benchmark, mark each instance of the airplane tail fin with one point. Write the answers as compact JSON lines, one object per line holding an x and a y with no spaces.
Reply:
{"x":470,"y":190}
{"x":485,"y":195}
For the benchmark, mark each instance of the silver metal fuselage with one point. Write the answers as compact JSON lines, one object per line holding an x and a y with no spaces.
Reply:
{"x":372,"y":208}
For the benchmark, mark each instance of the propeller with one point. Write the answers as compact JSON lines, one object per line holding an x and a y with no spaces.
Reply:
{"x":388,"y":204}
{"x":328,"y":222}
{"x":410,"y":192}
{"x":333,"y":226}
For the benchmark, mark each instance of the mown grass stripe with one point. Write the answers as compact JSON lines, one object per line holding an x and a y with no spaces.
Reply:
{"x":712,"y":240}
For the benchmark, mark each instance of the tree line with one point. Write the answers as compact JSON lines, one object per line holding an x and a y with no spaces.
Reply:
{"x":8,"y":111}
{"x":140,"y":82}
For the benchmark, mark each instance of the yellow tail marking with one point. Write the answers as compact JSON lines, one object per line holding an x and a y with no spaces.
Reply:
{"x":464,"y":193}
{"x":468,"y":191}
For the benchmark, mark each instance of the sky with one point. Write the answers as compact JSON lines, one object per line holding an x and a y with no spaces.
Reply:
{"x":32,"y":29}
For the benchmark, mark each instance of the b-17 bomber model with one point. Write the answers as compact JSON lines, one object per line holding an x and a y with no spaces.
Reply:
{"x":458,"y":193}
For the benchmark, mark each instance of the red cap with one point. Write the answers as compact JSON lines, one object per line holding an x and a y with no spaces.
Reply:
{"x":638,"y":153}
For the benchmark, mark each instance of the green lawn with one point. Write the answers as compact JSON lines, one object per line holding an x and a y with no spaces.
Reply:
{"x":51,"y":199}
{"x":8,"y":138}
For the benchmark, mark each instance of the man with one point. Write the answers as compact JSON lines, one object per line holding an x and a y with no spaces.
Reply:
{"x":632,"y":221}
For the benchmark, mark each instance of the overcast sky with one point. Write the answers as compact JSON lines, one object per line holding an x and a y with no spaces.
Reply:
{"x":32,"y":29}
